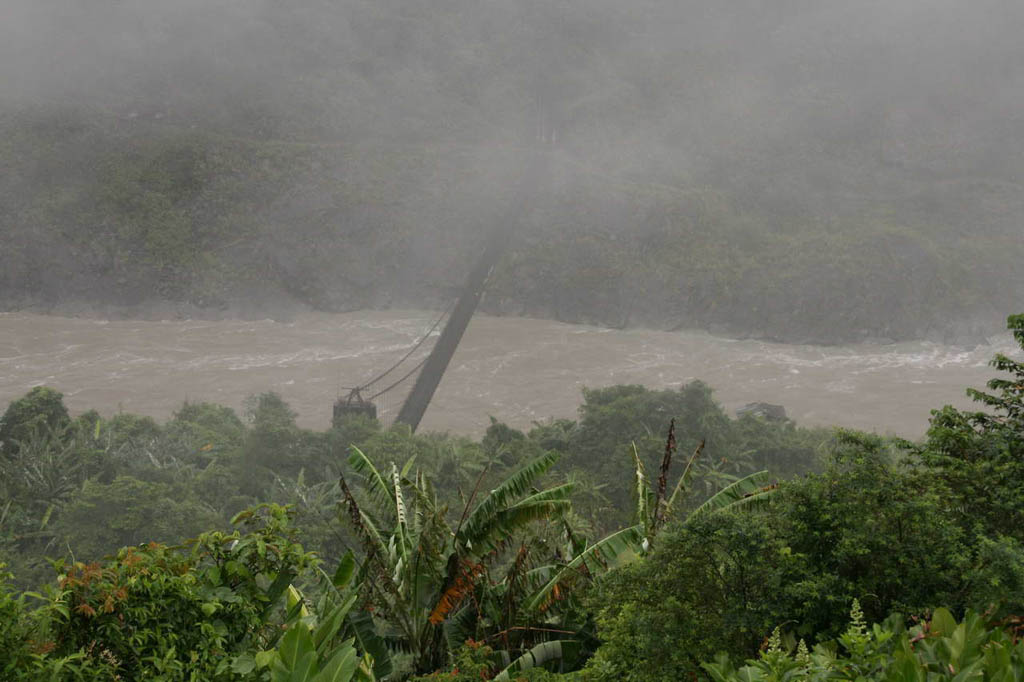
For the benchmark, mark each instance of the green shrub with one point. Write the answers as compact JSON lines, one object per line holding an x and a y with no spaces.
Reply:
{"x":41,"y":409}
{"x":14,"y":635}
{"x":862,"y":527}
{"x":155,"y":612}
{"x":936,"y":649}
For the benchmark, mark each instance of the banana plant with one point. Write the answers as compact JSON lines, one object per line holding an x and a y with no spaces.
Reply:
{"x":430,"y":582}
{"x":653,"y":509}
{"x":419,"y":570}
{"x":532,"y":611}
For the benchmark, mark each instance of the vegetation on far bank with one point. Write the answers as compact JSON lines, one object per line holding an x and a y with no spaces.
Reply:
{"x":354,"y":154}
{"x":201,"y":223}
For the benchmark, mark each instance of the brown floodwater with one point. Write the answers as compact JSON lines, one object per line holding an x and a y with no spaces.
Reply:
{"x":517,"y":369}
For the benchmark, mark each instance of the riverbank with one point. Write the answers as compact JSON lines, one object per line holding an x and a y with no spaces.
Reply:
{"x":967,"y":332}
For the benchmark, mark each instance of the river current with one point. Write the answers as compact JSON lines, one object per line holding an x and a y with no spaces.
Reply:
{"x":516,"y":369}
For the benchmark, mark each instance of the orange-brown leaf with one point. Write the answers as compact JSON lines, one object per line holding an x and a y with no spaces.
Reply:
{"x":455,"y":594}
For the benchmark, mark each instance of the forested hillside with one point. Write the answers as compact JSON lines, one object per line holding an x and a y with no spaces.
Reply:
{"x":755,"y":169}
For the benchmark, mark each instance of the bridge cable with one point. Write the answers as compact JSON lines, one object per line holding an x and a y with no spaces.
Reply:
{"x":405,"y":357}
{"x":408,"y":374}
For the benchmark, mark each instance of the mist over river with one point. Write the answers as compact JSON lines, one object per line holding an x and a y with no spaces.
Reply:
{"x":517,"y":369}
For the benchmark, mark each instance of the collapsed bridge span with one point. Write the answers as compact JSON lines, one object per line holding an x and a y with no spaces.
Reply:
{"x":431,"y":369}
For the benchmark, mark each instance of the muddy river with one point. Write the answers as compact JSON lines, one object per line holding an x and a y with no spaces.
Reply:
{"x":518,"y":370}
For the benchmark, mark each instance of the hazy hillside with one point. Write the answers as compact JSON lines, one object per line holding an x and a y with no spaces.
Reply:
{"x":797,"y":170}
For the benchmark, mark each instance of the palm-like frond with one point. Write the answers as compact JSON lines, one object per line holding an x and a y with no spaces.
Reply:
{"x":476,"y":526}
{"x":641,"y":491}
{"x":360,"y":627}
{"x":400,"y":510}
{"x":461,"y":625}
{"x":565,"y":650}
{"x":377,"y":551}
{"x":507,"y":521}
{"x":599,"y":556}
{"x":557,"y":493}
{"x":401,"y":534}
{"x":379,"y":491}
{"x":747,"y":490}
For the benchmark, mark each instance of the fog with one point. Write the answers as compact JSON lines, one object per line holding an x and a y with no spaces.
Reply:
{"x":380,"y":140}
{"x":929,"y":83}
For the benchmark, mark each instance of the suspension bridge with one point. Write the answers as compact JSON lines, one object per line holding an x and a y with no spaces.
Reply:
{"x":413,"y":379}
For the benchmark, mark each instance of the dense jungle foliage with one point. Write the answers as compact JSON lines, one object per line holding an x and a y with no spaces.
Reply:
{"x":747,"y":168}
{"x":597,"y":549}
